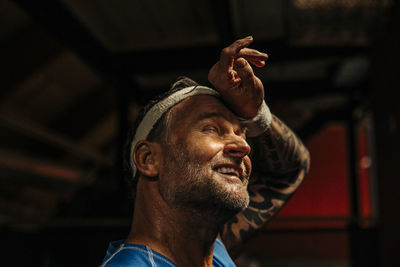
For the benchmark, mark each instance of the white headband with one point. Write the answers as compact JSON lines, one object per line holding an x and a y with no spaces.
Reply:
{"x":155,"y":113}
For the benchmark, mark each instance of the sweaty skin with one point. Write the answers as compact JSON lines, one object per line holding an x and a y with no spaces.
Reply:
{"x":234,"y":79}
{"x":280,"y":159}
{"x":213,"y":145}
{"x":200,"y":182}
{"x":197,"y":186}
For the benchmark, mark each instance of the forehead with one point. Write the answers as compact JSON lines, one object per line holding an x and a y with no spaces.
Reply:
{"x":194,"y":108}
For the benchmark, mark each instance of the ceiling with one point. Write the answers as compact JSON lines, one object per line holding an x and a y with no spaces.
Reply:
{"x":75,"y":74}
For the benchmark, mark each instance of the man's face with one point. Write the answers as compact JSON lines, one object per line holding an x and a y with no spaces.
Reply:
{"x":205,"y":161}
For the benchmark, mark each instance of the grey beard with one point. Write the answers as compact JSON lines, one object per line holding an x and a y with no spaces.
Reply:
{"x":198,"y":193}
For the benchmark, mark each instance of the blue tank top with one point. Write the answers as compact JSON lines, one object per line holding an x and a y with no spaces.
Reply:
{"x":124,"y":255}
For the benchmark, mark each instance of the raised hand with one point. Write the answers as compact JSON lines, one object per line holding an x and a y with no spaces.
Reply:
{"x":234,"y":78}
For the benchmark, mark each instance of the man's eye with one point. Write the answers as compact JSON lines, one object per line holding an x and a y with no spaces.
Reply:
{"x":210,"y":129}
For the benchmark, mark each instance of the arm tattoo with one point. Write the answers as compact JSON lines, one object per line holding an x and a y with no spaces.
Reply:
{"x":280,"y":162}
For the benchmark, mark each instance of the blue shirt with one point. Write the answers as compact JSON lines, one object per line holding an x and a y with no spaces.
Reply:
{"x":123,"y":255}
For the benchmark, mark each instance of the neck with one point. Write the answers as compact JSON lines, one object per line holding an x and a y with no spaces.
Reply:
{"x":184,"y":236}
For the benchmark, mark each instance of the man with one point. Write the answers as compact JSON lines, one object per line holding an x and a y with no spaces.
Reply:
{"x":191,"y":162}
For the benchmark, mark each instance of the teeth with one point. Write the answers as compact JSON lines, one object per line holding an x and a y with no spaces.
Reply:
{"x":225,"y":170}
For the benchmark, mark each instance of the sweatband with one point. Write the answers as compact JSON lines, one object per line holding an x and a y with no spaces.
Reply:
{"x":255,"y":126}
{"x":155,"y":113}
{"x":258,"y":124}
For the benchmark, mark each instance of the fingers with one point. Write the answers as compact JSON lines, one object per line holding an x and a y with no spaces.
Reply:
{"x":255,"y":57}
{"x":228,"y":54}
{"x":252,"y":53}
{"x":239,"y":49}
{"x":244,"y":71}
{"x":257,"y":63}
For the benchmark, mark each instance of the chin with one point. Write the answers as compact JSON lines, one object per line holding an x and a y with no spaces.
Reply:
{"x":235,"y":201}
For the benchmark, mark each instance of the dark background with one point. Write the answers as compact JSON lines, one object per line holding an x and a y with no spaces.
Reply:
{"x":75,"y":73}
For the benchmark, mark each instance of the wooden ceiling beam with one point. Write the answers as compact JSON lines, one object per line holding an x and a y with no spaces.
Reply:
{"x":85,"y":113}
{"x":23,"y":53}
{"x":63,"y":24}
{"x":55,"y":17}
{"x":39,"y":167}
{"x":54,"y":139}
{"x":203,"y":57}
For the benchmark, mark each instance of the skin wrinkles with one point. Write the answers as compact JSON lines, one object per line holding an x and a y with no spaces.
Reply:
{"x":186,"y":186}
{"x":207,"y":134}
{"x":204,"y":141}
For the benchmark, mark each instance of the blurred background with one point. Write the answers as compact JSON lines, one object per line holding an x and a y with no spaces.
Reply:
{"x":75,"y":73}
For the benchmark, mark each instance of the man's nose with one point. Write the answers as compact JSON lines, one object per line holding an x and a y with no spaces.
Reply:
{"x":236,"y":146}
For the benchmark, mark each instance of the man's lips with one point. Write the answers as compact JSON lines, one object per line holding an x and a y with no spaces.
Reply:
{"x":230,"y":169}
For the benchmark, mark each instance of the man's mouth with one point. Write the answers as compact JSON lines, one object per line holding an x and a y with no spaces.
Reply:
{"x":232,"y":170}
{"x":228,"y":171}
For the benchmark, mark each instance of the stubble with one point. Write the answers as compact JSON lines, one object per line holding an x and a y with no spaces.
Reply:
{"x":191,"y":185}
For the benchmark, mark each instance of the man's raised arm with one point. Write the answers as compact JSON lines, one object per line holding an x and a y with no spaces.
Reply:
{"x":280,"y":164}
{"x":280,"y":160}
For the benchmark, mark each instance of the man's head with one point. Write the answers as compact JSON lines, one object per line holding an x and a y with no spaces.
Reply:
{"x":157,"y":133}
{"x":198,"y":154}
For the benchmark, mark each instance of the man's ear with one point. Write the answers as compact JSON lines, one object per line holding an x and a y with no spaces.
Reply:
{"x":146,"y":158}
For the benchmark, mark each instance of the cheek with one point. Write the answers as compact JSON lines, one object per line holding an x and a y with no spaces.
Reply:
{"x":213,"y":147}
{"x":206,"y":148}
{"x":247,"y":163}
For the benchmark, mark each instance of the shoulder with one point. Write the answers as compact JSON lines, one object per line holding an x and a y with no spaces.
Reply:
{"x":134,"y":255}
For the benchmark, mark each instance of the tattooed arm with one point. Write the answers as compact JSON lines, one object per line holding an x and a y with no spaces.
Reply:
{"x":279,"y":158}
{"x":280,"y":164}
